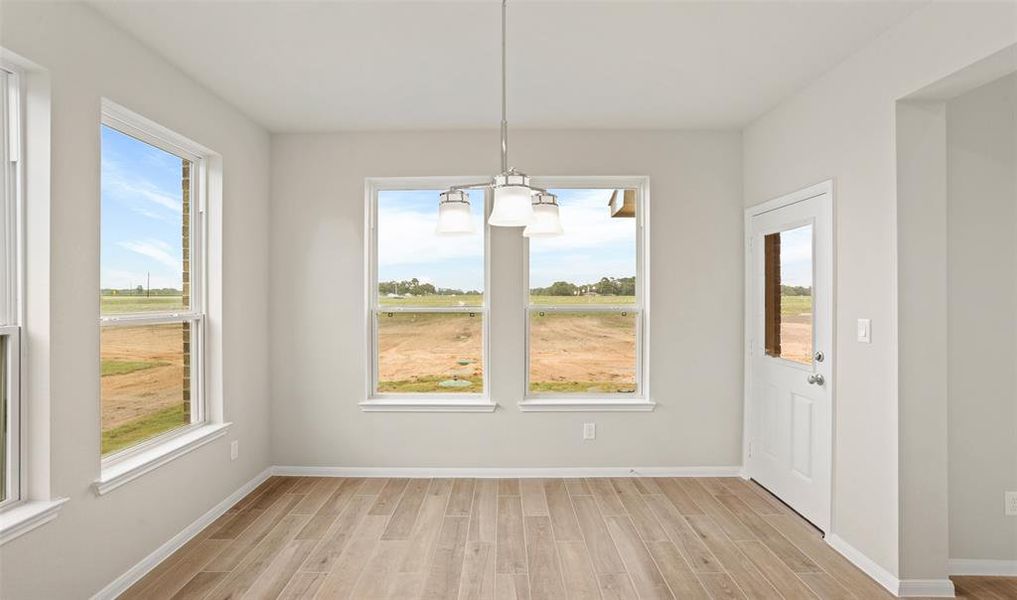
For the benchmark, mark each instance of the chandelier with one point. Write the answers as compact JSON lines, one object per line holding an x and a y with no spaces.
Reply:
{"x":516,"y":202}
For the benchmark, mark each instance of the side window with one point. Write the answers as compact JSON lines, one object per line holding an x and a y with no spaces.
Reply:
{"x":10,"y":293}
{"x":151,"y":282}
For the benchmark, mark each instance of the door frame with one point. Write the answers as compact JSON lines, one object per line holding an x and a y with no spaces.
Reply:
{"x":829,"y":281}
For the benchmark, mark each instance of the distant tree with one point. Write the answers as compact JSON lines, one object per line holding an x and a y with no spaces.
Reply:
{"x":561,"y":288}
{"x":795,"y":290}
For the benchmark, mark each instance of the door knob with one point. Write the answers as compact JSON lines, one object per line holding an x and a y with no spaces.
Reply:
{"x":817,"y":379}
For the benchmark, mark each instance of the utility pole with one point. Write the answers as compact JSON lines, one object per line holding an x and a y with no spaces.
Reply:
{"x":148,"y":294}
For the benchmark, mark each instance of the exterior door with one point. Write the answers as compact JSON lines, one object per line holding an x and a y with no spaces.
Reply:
{"x":789,"y":412}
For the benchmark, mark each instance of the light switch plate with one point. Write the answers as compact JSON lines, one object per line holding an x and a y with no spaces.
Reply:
{"x":589,"y":431}
{"x":1011,"y":504}
{"x":865,"y":331}
{"x":234,"y":449}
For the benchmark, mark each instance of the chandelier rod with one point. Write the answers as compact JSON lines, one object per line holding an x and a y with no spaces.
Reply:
{"x":504,"y":103}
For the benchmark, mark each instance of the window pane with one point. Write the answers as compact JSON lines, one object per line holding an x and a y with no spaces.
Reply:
{"x":430,"y":352}
{"x":788,"y":294}
{"x":418,"y":267}
{"x":591,"y":352}
{"x":146,"y":383}
{"x":145,"y":227}
{"x":4,"y":422}
{"x":594,"y":261}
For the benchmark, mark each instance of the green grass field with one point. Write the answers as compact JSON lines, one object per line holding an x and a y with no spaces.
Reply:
{"x":593,"y":387}
{"x":112,"y":305}
{"x":142,"y":429}
{"x":477,"y":300}
{"x":123,"y":367}
{"x":419,"y":385}
{"x":792,"y":306}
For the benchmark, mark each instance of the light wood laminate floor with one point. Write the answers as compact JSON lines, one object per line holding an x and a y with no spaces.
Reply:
{"x":723,"y":538}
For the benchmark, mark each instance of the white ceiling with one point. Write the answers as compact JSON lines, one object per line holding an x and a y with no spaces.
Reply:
{"x":326,"y":66}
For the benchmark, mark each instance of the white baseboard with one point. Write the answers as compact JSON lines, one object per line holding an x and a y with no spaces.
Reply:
{"x":902,"y":588}
{"x":508,"y":471}
{"x":979,"y":566}
{"x":135,"y":573}
{"x":883,"y":577}
{"x":926,"y":588}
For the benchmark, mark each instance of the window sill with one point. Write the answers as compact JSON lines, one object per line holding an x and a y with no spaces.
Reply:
{"x":24,"y":517}
{"x":428,"y":405}
{"x":132,"y":467}
{"x":585,"y":405}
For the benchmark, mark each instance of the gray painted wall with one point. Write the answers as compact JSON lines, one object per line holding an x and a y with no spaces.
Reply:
{"x":318,"y":312}
{"x":982,"y":306}
{"x":96,"y":539}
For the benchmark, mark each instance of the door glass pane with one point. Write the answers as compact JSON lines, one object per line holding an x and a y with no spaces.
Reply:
{"x":145,"y":230}
{"x":592,"y":352}
{"x":430,"y":352}
{"x":146,"y":383}
{"x":788,"y":294}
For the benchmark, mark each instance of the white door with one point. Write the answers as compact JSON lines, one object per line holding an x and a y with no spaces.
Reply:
{"x":789,"y":413}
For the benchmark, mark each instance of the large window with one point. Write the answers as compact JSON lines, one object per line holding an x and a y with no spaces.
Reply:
{"x":427,"y":297}
{"x":585,"y":302}
{"x":152,"y":287}
{"x":10,"y":284}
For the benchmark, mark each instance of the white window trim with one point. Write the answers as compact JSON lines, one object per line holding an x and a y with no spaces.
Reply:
{"x":32,"y":506}
{"x":381,"y":402}
{"x":153,"y":456}
{"x":585,"y":402}
{"x":11,"y":272}
{"x":131,"y":463}
{"x":26,"y":516}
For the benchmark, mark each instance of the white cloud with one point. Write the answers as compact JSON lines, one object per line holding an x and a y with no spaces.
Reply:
{"x":407,"y":237}
{"x":128,"y":188}
{"x":156,"y":250}
{"x":587,"y":222}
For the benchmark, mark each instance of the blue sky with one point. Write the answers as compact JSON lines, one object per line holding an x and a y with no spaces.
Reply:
{"x":796,"y":256}
{"x":141,"y":214}
{"x":594,"y":245}
{"x":408,"y":247}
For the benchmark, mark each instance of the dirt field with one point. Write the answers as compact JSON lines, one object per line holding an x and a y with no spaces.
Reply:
{"x":582,"y":352}
{"x":419,"y":351}
{"x":571,"y":352}
{"x":143,"y":379}
{"x":796,"y":328}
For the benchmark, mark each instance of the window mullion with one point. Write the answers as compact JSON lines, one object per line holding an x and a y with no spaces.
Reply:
{"x":135,"y":319}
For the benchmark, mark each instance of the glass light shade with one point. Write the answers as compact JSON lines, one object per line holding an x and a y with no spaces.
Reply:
{"x":546,"y":222}
{"x":454,"y":215}
{"x":512,"y":206}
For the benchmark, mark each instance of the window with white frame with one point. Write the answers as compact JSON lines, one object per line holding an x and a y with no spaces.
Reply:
{"x":10,"y":293}
{"x":427,"y":296}
{"x":585,"y":302}
{"x":152,"y":282}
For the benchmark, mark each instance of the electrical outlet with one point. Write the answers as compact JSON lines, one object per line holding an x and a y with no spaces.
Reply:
{"x":589,"y":431}
{"x":1011,"y":504}
{"x":234,"y":449}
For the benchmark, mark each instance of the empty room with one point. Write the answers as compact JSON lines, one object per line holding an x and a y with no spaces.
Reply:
{"x":508,"y":299}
